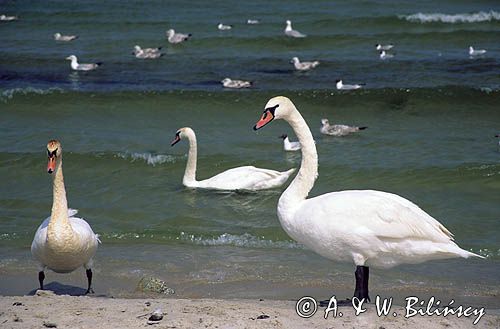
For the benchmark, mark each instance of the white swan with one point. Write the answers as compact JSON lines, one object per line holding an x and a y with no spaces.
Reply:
{"x":368,"y":228}
{"x":289,"y":146}
{"x":82,"y":67}
{"x":63,"y":243}
{"x":240,"y":178}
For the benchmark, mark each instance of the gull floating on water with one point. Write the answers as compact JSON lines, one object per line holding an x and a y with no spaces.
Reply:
{"x":337,"y":130}
{"x":177,"y":37}
{"x":6,"y":18}
{"x":253,"y":21}
{"x":147,"y":53}
{"x":291,"y":32}
{"x":82,"y":67}
{"x":474,"y":52}
{"x":237,"y":84}
{"x":60,"y":37}
{"x":384,"y":55}
{"x":289,"y":146}
{"x":341,"y":86}
{"x":223,"y":27}
{"x":378,"y":46}
{"x":303,"y":66}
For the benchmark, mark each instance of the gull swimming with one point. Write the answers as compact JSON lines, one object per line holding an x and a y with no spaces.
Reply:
{"x":253,"y":21}
{"x":236,"y":84}
{"x":291,"y":32}
{"x":177,"y":37}
{"x":303,"y":66}
{"x":82,"y":67}
{"x":384,"y":55}
{"x":337,"y":130}
{"x":378,"y":46}
{"x":6,"y":18}
{"x":474,"y":52}
{"x":341,"y":86}
{"x":147,"y":53}
{"x":223,"y":27}
{"x":289,"y":146}
{"x":60,"y":37}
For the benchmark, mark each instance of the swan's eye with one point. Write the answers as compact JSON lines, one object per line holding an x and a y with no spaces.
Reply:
{"x":272,"y":109}
{"x":51,"y":154}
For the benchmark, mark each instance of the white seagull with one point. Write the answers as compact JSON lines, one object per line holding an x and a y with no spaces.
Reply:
{"x":291,"y":32}
{"x":223,"y":27}
{"x":59,"y":37}
{"x":303,"y":66}
{"x":6,"y":18}
{"x":147,"y":53}
{"x":174,"y":37}
{"x":236,"y":84}
{"x":363,"y":227}
{"x":341,"y":86}
{"x":338,"y":130}
{"x":378,"y":46}
{"x":253,"y":21}
{"x":474,"y":52}
{"x":82,"y":67}
{"x":384,"y":55}
{"x":289,"y":146}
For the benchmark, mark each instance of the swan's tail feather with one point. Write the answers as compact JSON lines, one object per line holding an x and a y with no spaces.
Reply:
{"x":467,"y":254}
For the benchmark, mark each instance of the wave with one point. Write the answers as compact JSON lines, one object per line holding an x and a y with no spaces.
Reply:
{"x":151,"y":159}
{"x":457,"y":18}
{"x":245,"y":240}
{"x":8,"y":94}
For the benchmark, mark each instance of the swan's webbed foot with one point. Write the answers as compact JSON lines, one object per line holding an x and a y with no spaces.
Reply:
{"x":41,"y":277}
{"x":341,"y":302}
{"x":89,"y":279}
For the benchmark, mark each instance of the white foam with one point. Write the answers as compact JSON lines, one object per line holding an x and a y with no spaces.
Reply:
{"x":245,"y":240}
{"x":10,"y":93}
{"x":151,"y":159}
{"x":457,"y":18}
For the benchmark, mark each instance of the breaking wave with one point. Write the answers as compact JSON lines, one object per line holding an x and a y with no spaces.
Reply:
{"x":457,"y":18}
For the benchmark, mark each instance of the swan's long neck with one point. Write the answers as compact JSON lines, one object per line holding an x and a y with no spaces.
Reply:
{"x":304,"y":181}
{"x":190,"y":172}
{"x":59,"y":227}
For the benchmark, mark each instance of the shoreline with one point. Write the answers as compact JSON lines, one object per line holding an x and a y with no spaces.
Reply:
{"x":104,"y":312}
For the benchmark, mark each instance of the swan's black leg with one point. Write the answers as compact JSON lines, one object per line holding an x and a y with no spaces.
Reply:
{"x":362,"y":274}
{"x":89,"y":279}
{"x":41,"y":277}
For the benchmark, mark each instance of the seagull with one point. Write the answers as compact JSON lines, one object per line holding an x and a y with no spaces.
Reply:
{"x":147,"y":53}
{"x":177,"y":37}
{"x":223,"y":27}
{"x":253,"y":21}
{"x":289,"y":146}
{"x":82,"y":67}
{"x":237,"y":84}
{"x":341,"y":86}
{"x":291,"y":32}
{"x":473,"y":52}
{"x":338,"y":130}
{"x":60,"y":37}
{"x":378,"y":46}
{"x":8,"y":18}
{"x":384,"y":55}
{"x":303,"y":66}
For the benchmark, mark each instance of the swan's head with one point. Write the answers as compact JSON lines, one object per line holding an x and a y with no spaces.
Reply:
{"x":71,"y":58}
{"x":185,"y":132}
{"x":276,"y":108}
{"x":54,"y":152}
{"x":170,"y":33}
{"x":325,"y":122}
{"x":295,"y":60}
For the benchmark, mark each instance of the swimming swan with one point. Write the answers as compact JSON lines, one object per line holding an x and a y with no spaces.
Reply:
{"x":368,"y":228}
{"x":240,"y":178}
{"x":63,"y":243}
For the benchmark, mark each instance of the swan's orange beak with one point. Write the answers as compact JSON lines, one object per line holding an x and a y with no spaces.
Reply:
{"x":51,"y":166}
{"x":266,"y":117}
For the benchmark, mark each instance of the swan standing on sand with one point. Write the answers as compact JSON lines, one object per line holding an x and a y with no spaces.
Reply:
{"x":240,"y":178}
{"x":289,"y":146}
{"x":177,"y":37}
{"x":368,"y":228}
{"x":289,"y":31}
{"x":338,"y":130}
{"x":63,"y":243}
{"x":82,"y":67}
{"x":303,"y":66}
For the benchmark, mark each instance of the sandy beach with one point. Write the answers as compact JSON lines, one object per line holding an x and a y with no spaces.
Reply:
{"x":45,"y":309}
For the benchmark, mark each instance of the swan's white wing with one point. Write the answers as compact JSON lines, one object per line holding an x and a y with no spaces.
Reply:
{"x":245,"y":178}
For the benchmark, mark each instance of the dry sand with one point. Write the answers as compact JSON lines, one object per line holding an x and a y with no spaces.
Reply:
{"x":45,"y":310}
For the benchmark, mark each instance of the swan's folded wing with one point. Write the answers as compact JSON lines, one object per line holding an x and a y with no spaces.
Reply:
{"x":247,"y":177}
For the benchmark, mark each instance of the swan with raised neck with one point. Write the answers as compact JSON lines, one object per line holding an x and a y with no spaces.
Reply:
{"x":366,"y":227}
{"x":239,"y":178}
{"x":62,"y":242}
